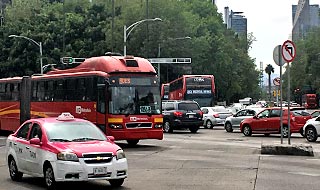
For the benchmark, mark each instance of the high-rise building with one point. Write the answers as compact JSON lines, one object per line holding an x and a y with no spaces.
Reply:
{"x":235,"y":21}
{"x":304,"y":18}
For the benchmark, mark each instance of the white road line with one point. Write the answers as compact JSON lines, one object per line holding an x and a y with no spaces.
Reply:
{"x":305,"y":173}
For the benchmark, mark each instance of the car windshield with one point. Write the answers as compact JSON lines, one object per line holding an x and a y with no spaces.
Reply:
{"x":73,"y":131}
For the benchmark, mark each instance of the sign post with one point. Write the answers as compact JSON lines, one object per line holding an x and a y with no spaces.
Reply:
{"x":278,"y":59}
{"x":288,"y":52}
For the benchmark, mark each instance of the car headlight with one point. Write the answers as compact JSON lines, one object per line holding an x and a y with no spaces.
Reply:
{"x":67,"y":156}
{"x":120,"y":154}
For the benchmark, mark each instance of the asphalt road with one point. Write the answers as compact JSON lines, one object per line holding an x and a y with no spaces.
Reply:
{"x":210,"y":159}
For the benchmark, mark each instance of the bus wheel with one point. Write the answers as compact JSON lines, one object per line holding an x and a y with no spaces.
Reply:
{"x":132,"y":142}
{"x":167,"y":128}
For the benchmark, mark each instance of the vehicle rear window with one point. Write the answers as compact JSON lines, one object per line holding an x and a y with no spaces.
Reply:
{"x":188,"y":106}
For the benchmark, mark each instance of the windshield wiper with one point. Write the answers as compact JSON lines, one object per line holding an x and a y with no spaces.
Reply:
{"x":60,"y":140}
{"x":86,"y":139}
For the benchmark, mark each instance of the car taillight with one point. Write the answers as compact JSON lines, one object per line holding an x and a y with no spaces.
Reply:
{"x":201,"y":113}
{"x":216,"y":115}
{"x":177,"y":114}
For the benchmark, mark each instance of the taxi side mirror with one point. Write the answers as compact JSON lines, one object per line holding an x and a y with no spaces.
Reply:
{"x":35,"y":141}
{"x":111,"y":138}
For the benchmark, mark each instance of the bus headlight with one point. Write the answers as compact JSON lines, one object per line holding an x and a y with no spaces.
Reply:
{"x":157,"y":126}
{"x":115,"y":126}
{"x":67,"y":156}
{"x":120,"y":154}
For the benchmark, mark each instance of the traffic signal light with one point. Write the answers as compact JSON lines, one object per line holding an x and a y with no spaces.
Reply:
{"x":67,"y":60}
{"x":71,"y":60}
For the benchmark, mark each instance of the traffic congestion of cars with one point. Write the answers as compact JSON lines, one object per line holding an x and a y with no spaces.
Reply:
{"x":64,"y":148}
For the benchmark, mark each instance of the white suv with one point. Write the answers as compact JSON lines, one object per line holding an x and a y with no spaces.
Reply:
{"x":311,"y":129}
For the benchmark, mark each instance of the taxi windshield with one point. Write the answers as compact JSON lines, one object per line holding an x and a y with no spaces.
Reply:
{"x":74,"y":131}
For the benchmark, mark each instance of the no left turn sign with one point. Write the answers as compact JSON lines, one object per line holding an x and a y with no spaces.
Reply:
{"x":288,"y":51}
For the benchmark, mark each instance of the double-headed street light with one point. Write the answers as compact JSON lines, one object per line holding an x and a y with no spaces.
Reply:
{"x":128,"y":30}
{"x":33,"y":41}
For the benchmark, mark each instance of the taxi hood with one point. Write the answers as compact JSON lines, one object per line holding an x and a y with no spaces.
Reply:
{"x":80,"y":148}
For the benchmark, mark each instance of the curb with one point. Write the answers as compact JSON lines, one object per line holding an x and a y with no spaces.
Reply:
{"x":285,"y":149}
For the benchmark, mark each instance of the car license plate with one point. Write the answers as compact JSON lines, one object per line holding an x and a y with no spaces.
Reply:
{"x":100,"y":171}
{"x":191,"y":116}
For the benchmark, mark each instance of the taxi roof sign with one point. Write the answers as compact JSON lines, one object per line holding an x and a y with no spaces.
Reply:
{"x":65,"y":116}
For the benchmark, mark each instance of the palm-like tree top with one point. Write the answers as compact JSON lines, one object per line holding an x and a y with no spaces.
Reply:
{"x":269,"y":69}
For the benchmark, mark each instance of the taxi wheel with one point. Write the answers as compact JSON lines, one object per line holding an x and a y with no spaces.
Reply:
{"x":116,"y":182}
{"x":228,"y":127}
{"x":167,"y":128}
{"x":49,"y":177}
{"x":247,"y":130}
{"x":132,"y":142}
{"x":13,"y":170}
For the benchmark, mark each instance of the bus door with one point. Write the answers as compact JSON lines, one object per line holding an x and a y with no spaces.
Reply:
{"x":25,"y":98}
{"x":102,"y":86}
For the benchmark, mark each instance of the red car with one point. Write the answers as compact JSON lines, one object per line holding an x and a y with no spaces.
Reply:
{"x":268,"y":122}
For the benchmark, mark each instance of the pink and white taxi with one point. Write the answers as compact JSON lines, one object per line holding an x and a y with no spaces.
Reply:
{"x":64,"y":149}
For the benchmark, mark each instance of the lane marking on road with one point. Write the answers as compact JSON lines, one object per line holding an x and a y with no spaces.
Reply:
{"x":305,"y":173}
{"x":218,"y":151}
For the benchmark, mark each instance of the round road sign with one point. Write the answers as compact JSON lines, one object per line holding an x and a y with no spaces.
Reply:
{"x":277,"y":57}
{"x":288,"y":51}
{"x":276,"y":81}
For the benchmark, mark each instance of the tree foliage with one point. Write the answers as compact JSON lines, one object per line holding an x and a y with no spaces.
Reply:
{"x":304,"y":77}
{"x":78,"y":28}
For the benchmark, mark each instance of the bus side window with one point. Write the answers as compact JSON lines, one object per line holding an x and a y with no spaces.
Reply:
{"x":8,"y":92}
{"x":59,"y":90}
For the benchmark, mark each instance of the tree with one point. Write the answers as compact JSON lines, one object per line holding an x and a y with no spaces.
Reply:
{"x":269,"y":69}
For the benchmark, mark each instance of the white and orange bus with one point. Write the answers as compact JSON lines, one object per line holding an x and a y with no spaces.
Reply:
{"x":121,"y":95}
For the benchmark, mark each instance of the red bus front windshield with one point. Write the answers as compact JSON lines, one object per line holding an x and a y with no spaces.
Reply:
{"x":135,"y":100}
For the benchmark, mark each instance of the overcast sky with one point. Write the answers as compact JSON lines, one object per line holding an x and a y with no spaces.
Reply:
{"x":270,"y":21}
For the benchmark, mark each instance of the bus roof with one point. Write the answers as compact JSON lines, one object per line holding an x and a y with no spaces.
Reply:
{"x":111,"y":64}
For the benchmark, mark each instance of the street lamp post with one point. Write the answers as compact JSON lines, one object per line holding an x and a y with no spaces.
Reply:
{"x":33,"y":41}
{"x":128,"y":30}
{"x":159,"y":51}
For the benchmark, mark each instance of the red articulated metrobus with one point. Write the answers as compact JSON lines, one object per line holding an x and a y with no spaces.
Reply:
{"x":200,"y":88}
{"x":121,"y":95}
{"x":309,"y":101}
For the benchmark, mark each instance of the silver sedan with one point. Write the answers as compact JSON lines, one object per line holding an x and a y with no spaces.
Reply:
{"x":233,"y":122}
{"x":214,"y":116}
